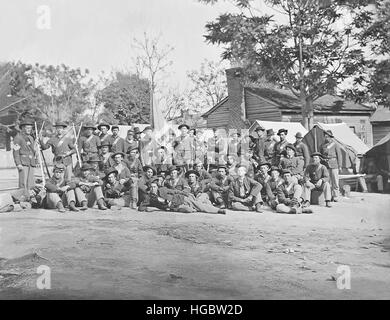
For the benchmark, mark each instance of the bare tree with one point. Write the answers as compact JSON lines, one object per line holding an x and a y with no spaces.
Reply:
{"x":152,"y":61}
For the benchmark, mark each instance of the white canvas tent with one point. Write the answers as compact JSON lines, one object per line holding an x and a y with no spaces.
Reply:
{"x":292,"y":128}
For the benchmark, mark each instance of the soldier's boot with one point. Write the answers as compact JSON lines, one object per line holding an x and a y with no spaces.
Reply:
{"x":84,"y":205}
{"x":259,"y":207}
{"x":101,"y":204}
{"x":72,"y":206}
{"x":221,"y":211}
{"x":220,"y":203}
{"x":60,"y":207}
{"x":328,"y":205}
{"x":307,"y":210}
{"x":293,"y":211}
{"x":133,"y":205}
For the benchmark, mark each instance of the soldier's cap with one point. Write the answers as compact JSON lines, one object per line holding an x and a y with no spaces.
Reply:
{"x":171,"y":168}
{"x":114,"y":127}
{"x":286,"y":171}
{"x":109,"y":171}
{"x":299,"y":135}
{"x":154,"y":179}
{"x":130,"y":131}
{"x":86,"y":166}
{"x":146,"y":168}
{"x":59,"y":167}
{"x":146,"y":129}
{"x":136,"y":130}
{"x":105,"y":143}
{"x":116,"y":153}
{"x":89,"y":126}
{"x":131,"y":149}
{"x":241,"y":164}
{"x":60,"y":124}
{"x":292,"y":147}
{"x":192,"y":172}
{"x":221,"y":166}
{"x":270,"y":132}
{"x":193,"y":129}
{"x":184,"y":125}
{"x":282,"y":130}
{"x":94,"y":158}
{"x":265,"y":164}
{"x":198,"y":161}
{"x":316,"y":154}
{"x":275,"y":168}
{"x":26,"y":122}
{"x":233,"y":155}
{"x":103,"y":124}
{"x":329,"y":133}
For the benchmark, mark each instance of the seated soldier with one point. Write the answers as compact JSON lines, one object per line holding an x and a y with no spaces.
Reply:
{"x":89,"y":188}
{"x":106,"y":160}
{"x":231,"y":165}
{"x":262,"y":176}
{"x":152,"y":200}
{"x":289,"y":196}
{"x":133,"y":163}
{"x":316,"y":177}
{"x":272,"y":186}
{"x":113,"y":191}
{"x":143,"y":182}
{"x":175,"y":181}
{"x":203,"y":174}
{"x":94,"y":162}
{"x":163,"y":162}
{"x":244,"y":192}
{"x":220,"y":186}
{"x":60,"y":192}
{"x":292,"y":163}
{"x":197,"y":188}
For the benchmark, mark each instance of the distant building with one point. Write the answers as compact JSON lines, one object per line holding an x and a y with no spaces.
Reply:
{"x":380,"y":122}
{"x":244,"y":105}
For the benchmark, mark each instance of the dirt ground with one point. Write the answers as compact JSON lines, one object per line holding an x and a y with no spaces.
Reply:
{"x":130,"y":255}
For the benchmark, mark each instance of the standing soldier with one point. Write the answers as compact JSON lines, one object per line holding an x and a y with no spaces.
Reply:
{"x":118,"y":143}
{"x":269,"y":146}
{"x":259,"y":148}
{"x":280,"y":146}
{"x":104,"y":136}
{"x":302,"y":151}
{"x":62,"y":148}
{"x":89,"y":143}
{"x":130,"y":143}
{"x":24,"y":155}
{"x":183,"y":146}
{"x":332,"y":155}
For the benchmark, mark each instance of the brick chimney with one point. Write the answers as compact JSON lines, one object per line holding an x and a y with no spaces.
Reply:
{"x":236,"y":103}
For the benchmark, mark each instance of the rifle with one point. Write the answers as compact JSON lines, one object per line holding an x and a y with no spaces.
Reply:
{"x":76,"y":143}
{"x":40,"y":152}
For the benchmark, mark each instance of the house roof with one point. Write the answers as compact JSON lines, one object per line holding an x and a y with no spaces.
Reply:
{"x":381,"y":115}
{"x":287,"y":101}
{"x":206,"y":114}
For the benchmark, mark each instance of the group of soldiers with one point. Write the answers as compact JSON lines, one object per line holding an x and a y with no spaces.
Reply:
{"x":183,"y":174}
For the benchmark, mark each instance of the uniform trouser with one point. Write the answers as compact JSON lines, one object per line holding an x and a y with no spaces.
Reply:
{"x":91,"y":197}
{"x":68,"y":172}
{"x":239,"y":206}
{"x":222,"y":195}
{"x":325,"y":188}
{"x":283,"y":208}
{"x":199,"y":204}
{"x":26,"y":177}
{"x":133,"y":190}
{"x":334,"y":182}
{"x":52,"y":198}
{"x":373,"y":178}
{"x":123,"y":201}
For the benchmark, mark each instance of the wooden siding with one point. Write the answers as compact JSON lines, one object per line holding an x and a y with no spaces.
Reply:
{"x":219,"y":118}
{"x":258,"y":108}
{"x":380,"y":129}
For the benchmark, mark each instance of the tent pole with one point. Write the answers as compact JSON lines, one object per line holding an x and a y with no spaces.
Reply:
{"x":315,"y":138}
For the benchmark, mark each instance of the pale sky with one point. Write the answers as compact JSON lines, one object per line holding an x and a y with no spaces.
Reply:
{"x":97,"y":34}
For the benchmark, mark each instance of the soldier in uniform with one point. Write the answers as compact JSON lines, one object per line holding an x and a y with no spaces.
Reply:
{"x":269,"y":145}
{"x":184,"y":148}
{"x":113,"y":190}
{"x":25,"y":155}
{"x":258,"y":151}
{"x":292,"y":163}
{"x":130,"y":143}
{"x":280,"y":146}
{"x":220,"y":186}
{"x":148,"y":147}
{"x":144,"y":182}
{"x":118,"y":143}
{"x":133,"y":163}
{"x":89,"y":143}
{"x":332,"y":155}
{"x":263,"y":177}
{"x":106,"y":160}
{"x":316,"y":177}
{"x":203,"y":174}
{"x":175,"y":181}
{"x":302,"y":151}
{"x":62,"y":148}
{"x":244,"y":192}
{"x":104,"y":135}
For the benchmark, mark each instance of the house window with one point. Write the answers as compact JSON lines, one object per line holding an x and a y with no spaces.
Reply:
{"x":353,"y":129}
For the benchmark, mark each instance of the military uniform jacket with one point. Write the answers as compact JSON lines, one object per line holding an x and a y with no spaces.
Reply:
{"x":52,"y":185}
{"x":302,"y":152}
{"x":251,"y":187}
{"x":143,"y":184}
{"x":123,"y":171}
{"x":274,"y":185}
{"x":88,"y":145}
{"x":279,"y":147}
{"x":112,"y":191}
{"x":197,"y":188}
{"x":225,"y":183}
{"x":204,"y":176}
{"x":294,"y":164}
{"x":106,"y":162}
{"x":285,"y":194}
{"x":130,"y":145}
{"x":106,"y":138}
{"x":152,"y":200}
{"x":314,"y":172}
{"x":269,"y":150}
{"x":332,"y":153}
{"x":60,"y":146}
{"x":178,"y":184}
{"x":135,"y":167}
{"x":118,"y":144}
{"x":263,"y":181}
{"x":23,"y":150}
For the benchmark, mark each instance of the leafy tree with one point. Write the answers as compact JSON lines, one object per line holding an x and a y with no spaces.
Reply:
{"x":374,"y":83}
{"x":310,"y":50}
{"x":125,"y":99}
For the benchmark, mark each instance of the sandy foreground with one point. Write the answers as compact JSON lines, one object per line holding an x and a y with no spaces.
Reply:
{"x":130,"y":255}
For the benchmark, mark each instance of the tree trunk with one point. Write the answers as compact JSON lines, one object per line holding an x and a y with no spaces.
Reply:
{"x":151,"y":104}
{"x":307,"y":112}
